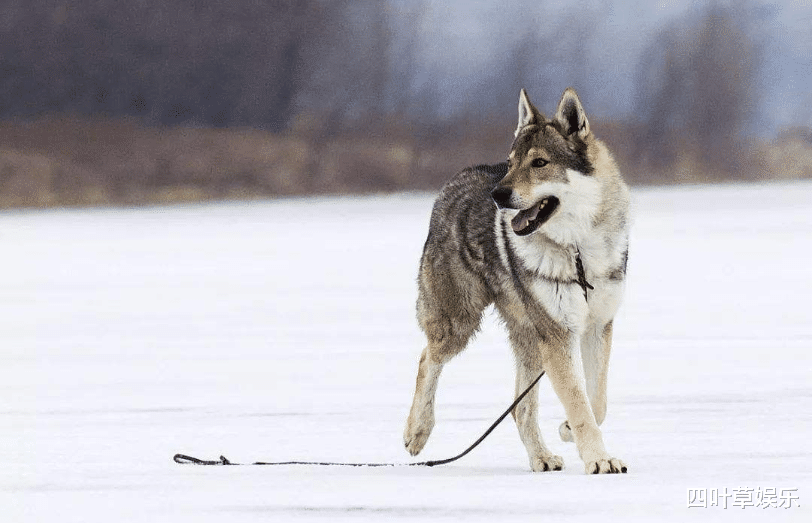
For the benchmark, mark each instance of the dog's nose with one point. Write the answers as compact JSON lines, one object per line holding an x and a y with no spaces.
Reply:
{"x":502,"y":195}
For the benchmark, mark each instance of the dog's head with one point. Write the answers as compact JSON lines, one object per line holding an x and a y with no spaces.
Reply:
{"x":551,"y":177}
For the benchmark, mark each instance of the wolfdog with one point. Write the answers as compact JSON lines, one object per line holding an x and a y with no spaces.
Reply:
{"x":544,"y":237}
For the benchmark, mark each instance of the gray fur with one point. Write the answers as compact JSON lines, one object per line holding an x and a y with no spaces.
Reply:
{"x":473,"y":258}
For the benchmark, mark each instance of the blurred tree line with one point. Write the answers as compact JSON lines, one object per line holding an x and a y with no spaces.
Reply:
{"x":215,"y":63}
{"x":113,"y":101}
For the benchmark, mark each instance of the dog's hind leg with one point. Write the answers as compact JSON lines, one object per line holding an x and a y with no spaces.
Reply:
{"x":444,"y":343}
{"x":449,"y":316}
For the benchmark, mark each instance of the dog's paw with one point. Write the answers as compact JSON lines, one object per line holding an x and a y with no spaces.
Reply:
{"x":547,"y":463}
{"x":607,"y":465}
{"x":417,"y":434}
{"x":565,"y":432}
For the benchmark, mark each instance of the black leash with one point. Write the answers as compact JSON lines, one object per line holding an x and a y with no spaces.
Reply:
{"x":186,"y":459}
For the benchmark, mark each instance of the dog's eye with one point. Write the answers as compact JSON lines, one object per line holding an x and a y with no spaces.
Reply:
{"x":539,"y":162}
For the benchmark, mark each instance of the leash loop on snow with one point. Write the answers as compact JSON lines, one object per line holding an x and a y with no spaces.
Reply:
{"x":186,"y":459}
{"x":223,"y":461}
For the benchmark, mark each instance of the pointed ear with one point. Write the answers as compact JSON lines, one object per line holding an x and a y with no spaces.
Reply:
{"x":528,"y":114}
{"x":570,"y":114}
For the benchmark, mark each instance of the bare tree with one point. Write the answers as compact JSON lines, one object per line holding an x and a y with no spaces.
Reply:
{"x":698,"y":91}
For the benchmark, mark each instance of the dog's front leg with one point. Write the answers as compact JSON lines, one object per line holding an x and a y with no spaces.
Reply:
{"x":526,"y":416}
{"x":596,"y":345}
{"x":565,"y":369}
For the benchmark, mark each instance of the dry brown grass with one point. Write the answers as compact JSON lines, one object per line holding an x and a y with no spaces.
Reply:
{"x":70,"y":161}
{"x":789,"y":157}
{"x":64,"y":161}
{"x":80,"y":161}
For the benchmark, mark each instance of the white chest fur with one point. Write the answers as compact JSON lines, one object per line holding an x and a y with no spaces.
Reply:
{"x":555,"y":282}
{"x":565,"y":303}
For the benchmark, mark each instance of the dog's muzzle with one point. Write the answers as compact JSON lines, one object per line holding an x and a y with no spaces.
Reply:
{"x":526,"y":220}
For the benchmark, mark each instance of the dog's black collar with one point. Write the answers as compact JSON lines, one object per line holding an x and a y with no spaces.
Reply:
{"x":579,"y":267}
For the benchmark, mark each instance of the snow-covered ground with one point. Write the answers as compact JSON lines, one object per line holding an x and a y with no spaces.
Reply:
{"x":285,"y":330}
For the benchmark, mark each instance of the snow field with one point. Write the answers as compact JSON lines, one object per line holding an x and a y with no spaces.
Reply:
{"x":285,"y":330}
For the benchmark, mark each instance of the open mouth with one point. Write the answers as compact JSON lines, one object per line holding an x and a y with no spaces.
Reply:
{"x":528,"y":220}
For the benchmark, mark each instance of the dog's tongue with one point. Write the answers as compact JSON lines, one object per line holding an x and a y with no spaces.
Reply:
{"x":523,"y":218}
